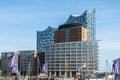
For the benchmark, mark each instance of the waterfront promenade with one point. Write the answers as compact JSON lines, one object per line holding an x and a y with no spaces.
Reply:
{"x":23,"y":78}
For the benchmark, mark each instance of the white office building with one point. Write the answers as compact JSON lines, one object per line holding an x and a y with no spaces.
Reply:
{"x":65,"y":58}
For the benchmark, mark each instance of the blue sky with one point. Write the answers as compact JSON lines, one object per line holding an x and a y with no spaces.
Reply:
{"x":20,"y":19}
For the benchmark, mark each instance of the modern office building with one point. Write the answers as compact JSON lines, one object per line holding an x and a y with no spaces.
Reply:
{"x":88,"y":19}
{"x":26,"y":62}
{"x":64,"y":58}
{"x":45,"y":37}
{"x":71,"y":32}
{"x":6,"y":56}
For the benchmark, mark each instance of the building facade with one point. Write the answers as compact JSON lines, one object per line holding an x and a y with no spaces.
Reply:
{"x":6,"y":56}
{"x":26,"y":62}
{"x":88,"y":19}
{"x":71,"y":32}
{"x":45,"y":37}
{"x":64,"y":58}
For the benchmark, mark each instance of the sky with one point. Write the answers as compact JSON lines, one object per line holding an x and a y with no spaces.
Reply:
{"x":20,"y":19}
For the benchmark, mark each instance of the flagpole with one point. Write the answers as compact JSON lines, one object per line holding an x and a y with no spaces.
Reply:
{"x":106,"y":71}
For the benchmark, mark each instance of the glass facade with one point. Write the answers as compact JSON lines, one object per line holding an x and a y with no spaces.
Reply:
{"x":88,"y":19}
{"x":6,"y":56}
{"x":26,"y":62}
{"x":45,"y":37}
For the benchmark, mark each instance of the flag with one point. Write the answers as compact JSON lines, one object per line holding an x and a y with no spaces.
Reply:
{"x":11,"y":63}
{"x":78,"y":68}
{"x":45,"y":68}
{"x":84,"y":65}
{"x":113,"y":66}
{"x":116,"y":66}
{"x":14,"y":63}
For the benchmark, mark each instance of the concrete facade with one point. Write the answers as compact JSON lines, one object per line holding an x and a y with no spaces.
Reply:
{"x":64,"y":58}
